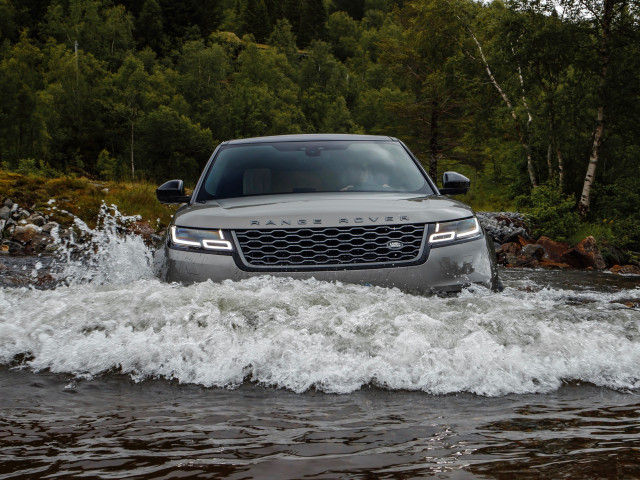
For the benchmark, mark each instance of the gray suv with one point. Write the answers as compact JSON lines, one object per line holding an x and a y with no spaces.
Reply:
{"x":350,"y":208}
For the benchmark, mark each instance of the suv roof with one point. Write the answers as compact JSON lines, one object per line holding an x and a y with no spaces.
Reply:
{"x":310,"y":137}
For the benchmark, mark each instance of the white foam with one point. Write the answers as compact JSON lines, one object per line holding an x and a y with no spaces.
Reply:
{"x":301,"y":335}
{"x":111,"y":314}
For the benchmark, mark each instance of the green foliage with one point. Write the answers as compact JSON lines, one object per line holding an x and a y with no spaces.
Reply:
{"x":144,"y":89}
{"x":550,"y":212}
{"x":108,"y":166}
{"x":170,"y":143}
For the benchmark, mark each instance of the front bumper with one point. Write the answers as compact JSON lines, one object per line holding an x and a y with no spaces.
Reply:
{"x":447,"y":268}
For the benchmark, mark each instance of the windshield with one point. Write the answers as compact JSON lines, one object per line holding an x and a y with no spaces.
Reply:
{"x":321,"y":166}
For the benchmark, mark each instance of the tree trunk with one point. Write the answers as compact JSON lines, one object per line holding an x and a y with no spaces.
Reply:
{"x":598,"y":130}
{"x":560,"y":167}
{"x":516,"y":120}
{"x":133,"y":168}
{"x":433,"y":142}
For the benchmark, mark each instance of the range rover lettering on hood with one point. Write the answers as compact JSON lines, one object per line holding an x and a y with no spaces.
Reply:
{"x":317,"y":221}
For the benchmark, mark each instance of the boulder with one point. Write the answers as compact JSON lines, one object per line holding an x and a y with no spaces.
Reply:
{"x":8,"y":202}
{"x":553,"y":265}
{"x":533,"y":251}
{"x":47,"y":228}
{"x":589,"y":248}
{"x":625,"y":269}
{"x":584,"y":255}
{"x":36,"y":219}
{"x":511,"y":247}
{"x":13,"y":248}
{"x":40,"y":243}
{"x":526,"y":261}
{"x":5,"y":213}
{"x":25,"y":233}
{"x":506,"y":254}
{"x":523,"y":240}
{"x":504,"y":227}
{"x":554,"y":250}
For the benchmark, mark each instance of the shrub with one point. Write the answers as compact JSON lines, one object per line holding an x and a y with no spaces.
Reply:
{"x":550,"y":212}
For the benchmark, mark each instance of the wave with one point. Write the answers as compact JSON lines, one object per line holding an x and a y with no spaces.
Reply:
{"x":112,"y":314}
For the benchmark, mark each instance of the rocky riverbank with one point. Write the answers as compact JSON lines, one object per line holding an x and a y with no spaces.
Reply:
{"x":30,"y":239}
{"x":516,"y":247}
{"x":31,"y":242}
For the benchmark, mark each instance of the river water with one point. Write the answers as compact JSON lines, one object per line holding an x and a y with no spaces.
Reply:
{"x":113,"y":374}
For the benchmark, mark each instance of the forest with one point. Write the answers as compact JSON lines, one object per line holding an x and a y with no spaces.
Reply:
{"x":537,"y":101}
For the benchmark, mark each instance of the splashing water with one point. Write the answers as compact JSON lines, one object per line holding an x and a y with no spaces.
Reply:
{"x":113,"y":315}
{"x":102,"y":255}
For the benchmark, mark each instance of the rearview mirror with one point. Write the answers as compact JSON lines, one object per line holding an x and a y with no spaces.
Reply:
{"x":172,"y":192}
{"x":454,"y":184}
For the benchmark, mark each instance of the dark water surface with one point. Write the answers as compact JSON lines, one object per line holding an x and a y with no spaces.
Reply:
{"x":55,"y":427}
{"x":114,"y":374}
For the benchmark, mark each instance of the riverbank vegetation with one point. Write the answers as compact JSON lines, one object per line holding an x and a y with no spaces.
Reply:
{"x":83,"y":198}
{"x":537,"y":102}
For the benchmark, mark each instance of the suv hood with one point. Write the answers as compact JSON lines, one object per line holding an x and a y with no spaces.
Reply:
{"x":317,"y":209}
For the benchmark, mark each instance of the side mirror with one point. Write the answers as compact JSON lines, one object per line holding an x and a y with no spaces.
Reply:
{"x":454,"y":184}
{"x":172,"y":192}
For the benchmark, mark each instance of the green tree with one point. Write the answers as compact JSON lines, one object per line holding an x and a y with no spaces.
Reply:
{"x":150,"y":27}
{"x":172,"y":143}
{"x":8,"y":25}
{"x":73,"y":99}
{"x":255,"y":19}
{"x":426,"y":57}
{"x":202,"y":81}
{"x":133,"y":96}
{"x":93,"y":27}
{"x":263,"y":99}
{"x":283,"y":39}
{"x":22,"y":131}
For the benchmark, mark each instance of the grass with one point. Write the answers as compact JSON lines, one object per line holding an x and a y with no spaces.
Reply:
{"x":83,"y":197}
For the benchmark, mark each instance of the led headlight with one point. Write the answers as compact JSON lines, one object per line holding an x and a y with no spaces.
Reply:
{"x":206,"y":239}
{"x":457,"y":230}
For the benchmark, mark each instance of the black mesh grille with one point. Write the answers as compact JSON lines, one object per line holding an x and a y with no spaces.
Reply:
{"x":380,"y":244}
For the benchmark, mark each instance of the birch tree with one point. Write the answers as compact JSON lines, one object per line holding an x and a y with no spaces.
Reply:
{"x":603,"y":15}
{"x":522,"y":138}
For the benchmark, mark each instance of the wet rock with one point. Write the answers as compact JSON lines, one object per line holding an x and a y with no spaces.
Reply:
{"x":9,"y":228}
{"x":526,"y":261}
{"x":504,"y":227}
{"x":511,"y":247}
{"x":36,"y":219}
{"x":12,"y":248}
{"x":8,"y":202}
{"x":585,"y":255}
{"x":554,"y":250}
{"x":40,"y":243}
{"x":625,"y":270}
{"x":548,"y":265}
{"x":524,"y":240}
{"x":25,"y":233}
{"x":5,"y":213}
{"x":47,"y":228}
{"x":589,"y":249}
{"x":533,"y":251}
{"x":507,"y":252}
